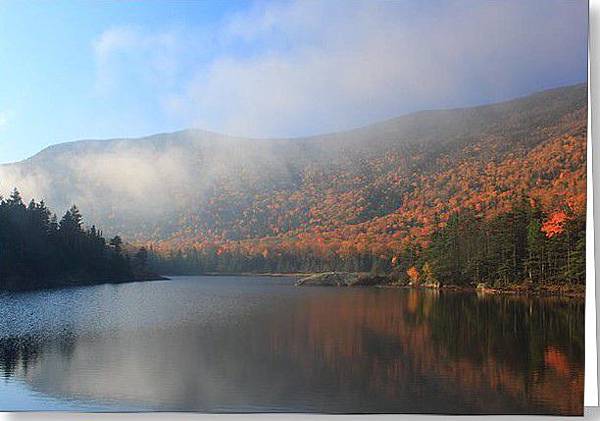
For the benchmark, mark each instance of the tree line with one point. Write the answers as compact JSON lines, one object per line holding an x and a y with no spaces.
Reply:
{"x":522,"y":245}
{"x":38,"y":250}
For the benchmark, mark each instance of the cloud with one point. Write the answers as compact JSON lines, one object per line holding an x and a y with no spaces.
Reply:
{"x":303,"y":67}
{"x":131,"y":185}
{"x":322,"y":66}
{"x":128,"y":54}
{"x":114,"y":40}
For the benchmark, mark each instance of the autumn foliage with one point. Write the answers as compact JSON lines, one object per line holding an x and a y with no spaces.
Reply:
{"x":379,"y":205}
{"x":555,"y":224}
{"x":413,"y":274}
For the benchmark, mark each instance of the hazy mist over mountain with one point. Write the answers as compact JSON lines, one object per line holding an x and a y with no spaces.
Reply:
{"x":194,"y":181}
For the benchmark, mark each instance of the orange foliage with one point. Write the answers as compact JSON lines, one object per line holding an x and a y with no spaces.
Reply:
{"x":413,"y":274}
{"x":380,"y":201}
{"x":555,"y":224}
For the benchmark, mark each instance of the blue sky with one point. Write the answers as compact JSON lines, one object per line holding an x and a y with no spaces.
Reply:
{"x":73,"y":69}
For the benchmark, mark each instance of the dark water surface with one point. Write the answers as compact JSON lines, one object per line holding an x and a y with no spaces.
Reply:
{"x":237,"y":344}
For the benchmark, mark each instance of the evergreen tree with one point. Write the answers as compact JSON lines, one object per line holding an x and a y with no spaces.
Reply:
{"x":36,"y":250}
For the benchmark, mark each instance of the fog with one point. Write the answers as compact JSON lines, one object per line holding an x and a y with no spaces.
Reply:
{"x":191,"y":182}
{"x":284,"y":70}
{"x":142,"y":181}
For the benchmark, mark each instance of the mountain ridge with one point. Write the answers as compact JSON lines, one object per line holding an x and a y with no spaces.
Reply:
{"x":198,"y":131}
{"x":377,"y":188}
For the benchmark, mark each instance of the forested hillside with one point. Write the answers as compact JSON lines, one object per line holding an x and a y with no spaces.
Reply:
{"x":510,"y":177}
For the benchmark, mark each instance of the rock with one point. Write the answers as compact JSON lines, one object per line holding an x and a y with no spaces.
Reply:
{"x":335,"y":279}
{"x":343,"y":279}
{"x":434,"y":285}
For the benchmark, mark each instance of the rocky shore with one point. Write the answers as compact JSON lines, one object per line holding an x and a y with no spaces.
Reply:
{"x":339,"y":279}
{"x":353,"y":279}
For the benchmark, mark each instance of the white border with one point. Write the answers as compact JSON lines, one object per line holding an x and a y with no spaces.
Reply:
{"x":591,"y":360}
{"x":593,"y":212}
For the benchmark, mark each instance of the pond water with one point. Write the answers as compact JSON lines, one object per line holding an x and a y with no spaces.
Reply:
{"x":259,"y":344}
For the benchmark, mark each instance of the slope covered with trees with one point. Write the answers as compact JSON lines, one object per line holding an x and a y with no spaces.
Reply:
{"x":503,"y":208}
{"x":379,"y":198}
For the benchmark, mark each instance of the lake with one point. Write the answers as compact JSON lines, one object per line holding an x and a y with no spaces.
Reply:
{"x":259,"y":344}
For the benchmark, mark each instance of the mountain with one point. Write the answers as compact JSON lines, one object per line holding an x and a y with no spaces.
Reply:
{"x":376,"y":188}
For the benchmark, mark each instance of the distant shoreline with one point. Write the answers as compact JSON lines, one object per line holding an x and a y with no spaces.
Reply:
{"x":532,"y":290}
{"x":270,"y":274}
{"x":540,"y":290}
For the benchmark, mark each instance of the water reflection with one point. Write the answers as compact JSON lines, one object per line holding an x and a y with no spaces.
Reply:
{"x":253,"y":344}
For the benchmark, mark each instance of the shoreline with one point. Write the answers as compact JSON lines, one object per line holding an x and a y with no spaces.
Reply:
{"x":268,"y":274}
{"x":539,"y":290}
{"x":526,"y":290}
{"x":57,"y":284}
{"x":542,"y":291}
